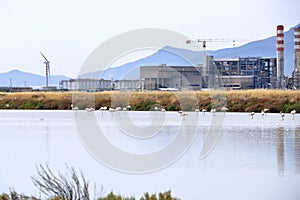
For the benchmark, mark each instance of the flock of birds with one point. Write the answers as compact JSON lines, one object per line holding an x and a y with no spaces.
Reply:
{"x":181,"y":113}
{"x":104,"y":108}
{"x":282,"y":115}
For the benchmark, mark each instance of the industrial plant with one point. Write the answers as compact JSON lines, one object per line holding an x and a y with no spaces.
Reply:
{"x":230,"y":73}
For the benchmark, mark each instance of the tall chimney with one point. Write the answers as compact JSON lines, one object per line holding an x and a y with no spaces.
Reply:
{"x":296,"y":71}
{"x":280,"y":56}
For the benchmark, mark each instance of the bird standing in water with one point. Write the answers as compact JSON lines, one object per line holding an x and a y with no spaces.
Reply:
{"x":282,"y":115}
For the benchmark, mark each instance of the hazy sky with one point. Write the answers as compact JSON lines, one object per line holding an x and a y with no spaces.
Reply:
{"x":67,"y":31}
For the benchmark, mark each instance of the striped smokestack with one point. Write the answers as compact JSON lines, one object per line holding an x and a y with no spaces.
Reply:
{"x":280,"y":56}
{"x":296,"y":72}
{"x":297,"y":47}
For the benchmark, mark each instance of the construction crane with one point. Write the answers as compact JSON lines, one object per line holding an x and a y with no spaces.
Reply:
{"x":47,"y":63}
{"x":208,"y":70}
{"x":204,"y":41}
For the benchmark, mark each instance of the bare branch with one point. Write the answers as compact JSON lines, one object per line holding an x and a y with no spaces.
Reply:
{"x":62,"y":186}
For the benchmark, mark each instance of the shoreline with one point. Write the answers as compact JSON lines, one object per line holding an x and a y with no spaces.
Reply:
{"x":234,"y":100}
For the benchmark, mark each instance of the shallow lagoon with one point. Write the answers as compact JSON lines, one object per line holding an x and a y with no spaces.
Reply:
{"x":253,"y":159}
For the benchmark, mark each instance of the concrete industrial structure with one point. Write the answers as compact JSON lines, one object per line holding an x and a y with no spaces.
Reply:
{"x":235,"y":73}
{"x":296,"y":71}
{"x":87,"y":84}
{"x":178,"y":77}
{"x":16,"y":89}
{"x":247,"y":72}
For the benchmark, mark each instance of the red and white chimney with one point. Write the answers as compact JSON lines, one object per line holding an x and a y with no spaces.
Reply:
{"x":280,"y":56}
{"x":297,"y":44}
{"x":296,"y":72}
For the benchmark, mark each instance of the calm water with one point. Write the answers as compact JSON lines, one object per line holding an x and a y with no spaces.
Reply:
{"x":254,"y":158}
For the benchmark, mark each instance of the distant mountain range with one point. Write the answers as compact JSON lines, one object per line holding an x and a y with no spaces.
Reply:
{"x":20,"y":78}
{"x":183,"y":57}
{"x":167,"y":55}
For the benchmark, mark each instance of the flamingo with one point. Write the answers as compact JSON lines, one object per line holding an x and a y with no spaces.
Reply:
{"x":183,"y":115}
{"x":293,"y":112}
{"x":102,"y":109}
{"x":262,"y":114}
{"x":112,"y":110}
{"x":118,"y":108}
{"x":75,"y":108}
{"x":197,"y":111}
{"x":282,"y":115}
{"x":252,"y":114}
{"x":224,"y":109}
{"x":90,"y":109}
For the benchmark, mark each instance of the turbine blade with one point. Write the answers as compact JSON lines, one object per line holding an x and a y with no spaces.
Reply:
{"x":44,"y":57}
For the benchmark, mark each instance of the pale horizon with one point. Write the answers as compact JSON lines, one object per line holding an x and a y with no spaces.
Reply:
{"x":67,"y":32}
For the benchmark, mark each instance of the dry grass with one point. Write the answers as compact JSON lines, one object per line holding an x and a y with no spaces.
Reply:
{"x":257,"y":100}
{"x":236,"y":100}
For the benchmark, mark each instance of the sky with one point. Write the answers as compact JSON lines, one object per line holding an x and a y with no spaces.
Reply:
{"x":67,"y":31}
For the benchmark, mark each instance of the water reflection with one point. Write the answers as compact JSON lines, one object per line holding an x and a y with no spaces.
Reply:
{"x":280,"y":150}
{"x":254,"y":152}
{"x":297,"y":149}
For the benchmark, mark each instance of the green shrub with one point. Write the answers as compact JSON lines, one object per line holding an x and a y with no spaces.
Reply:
{"x":112,"y":196}
{"x":31,"y":104}
{"x":144,"y":105}
{"x":172,"y":107}
{"x":4,"y":196}
{"x":291,"y":106}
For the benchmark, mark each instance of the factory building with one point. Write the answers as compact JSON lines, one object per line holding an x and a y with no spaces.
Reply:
{"x":175,"y":77}
{"x":127,"y":84}
{"x":16,"y":89}
{"x":88,"y":84}
{"x":234,"y":73}
{"x":85,"y":84}
{"x":247,"y":72}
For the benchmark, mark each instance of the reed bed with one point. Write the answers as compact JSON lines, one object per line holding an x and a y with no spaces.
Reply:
{"x":234,"y":100}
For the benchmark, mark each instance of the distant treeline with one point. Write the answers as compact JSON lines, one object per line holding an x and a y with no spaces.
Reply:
{"x":235,"y":100}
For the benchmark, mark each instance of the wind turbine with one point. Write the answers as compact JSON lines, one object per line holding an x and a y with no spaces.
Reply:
{"x":47,"y":63}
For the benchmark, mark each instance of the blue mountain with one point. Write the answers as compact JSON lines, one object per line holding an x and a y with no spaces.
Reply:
{"x":20,"y":78}
{"x":167,"y":55}
{"x":184,"y":57}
